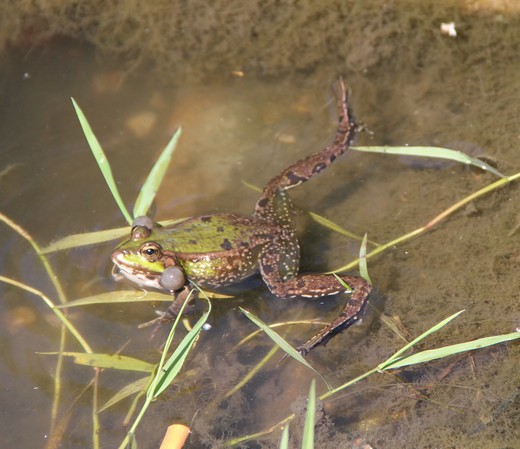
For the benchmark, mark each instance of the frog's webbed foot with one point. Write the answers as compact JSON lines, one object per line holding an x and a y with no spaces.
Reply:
{"x":172,"y":311}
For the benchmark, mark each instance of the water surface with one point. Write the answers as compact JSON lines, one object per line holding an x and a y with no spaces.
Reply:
{"x":238,"y":129}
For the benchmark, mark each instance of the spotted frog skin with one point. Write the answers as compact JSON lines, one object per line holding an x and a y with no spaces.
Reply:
{"x":221,"y":249}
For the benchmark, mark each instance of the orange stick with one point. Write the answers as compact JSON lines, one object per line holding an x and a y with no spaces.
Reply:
{"x":175,"y":436}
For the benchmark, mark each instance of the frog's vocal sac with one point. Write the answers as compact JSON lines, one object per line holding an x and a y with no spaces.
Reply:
{"x":221,"y":249}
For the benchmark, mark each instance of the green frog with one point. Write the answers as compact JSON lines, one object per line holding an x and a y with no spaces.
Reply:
{"x":216,"y":250}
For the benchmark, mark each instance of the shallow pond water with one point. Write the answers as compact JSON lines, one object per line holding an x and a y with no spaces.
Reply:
{"x":420,"y":88}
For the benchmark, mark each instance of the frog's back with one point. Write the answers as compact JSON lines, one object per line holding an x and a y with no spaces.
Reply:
{"x":216,"y":250}
{"x":211,"y":234}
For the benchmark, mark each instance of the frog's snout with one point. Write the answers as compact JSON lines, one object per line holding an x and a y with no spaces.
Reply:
{"x":116,"y":257}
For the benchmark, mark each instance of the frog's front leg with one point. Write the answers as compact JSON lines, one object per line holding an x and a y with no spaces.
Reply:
{"x":179,"y":298}
{"x":316,"y":286}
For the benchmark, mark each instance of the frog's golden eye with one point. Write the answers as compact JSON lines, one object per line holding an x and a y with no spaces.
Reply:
{"x":150,"y":251}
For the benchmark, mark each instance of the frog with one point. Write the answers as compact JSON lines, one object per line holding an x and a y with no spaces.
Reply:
{"x":217,"y":250}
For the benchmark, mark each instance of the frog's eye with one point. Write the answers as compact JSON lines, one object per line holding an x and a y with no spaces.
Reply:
{"x":173,"y":279}
{"x":150,"y":251}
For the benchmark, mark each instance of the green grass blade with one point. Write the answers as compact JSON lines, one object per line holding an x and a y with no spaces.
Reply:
{"x":284,"y":440}
{"x":308,"y":429}
{"x":102,"y":161}
{"x":118,"y":297}
{"x":155,"y":177}
{"x":289,"y":350}
{"x":119,"y":362}
{"x":430,"y":331}
{"x":94,"y":238}
{"x":363,"y":267}
{"x":439,"y":353}
{"x":159,"y":375}
{"x":85,"y":239}
{"x":435,"y":152}
{"x":137,"y":386}
{"x":174,"y":364}
{"x":325,"y":222}
{"x":122,"y":296}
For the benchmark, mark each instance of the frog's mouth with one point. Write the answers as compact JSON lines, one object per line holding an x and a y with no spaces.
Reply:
{"x":123,"y":269}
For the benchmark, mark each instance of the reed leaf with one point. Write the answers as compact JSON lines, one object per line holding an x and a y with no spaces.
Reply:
{"x":446,"y":351}
{"x":281,"y":342}
{"x":101,"y":160}
{"x":119,"y":362}
{"x":284,"y":441}
{"x":433,"y":152}
{"x":118,"y":297}
{"x":175,"y":362}
{"x":137,"y":386}
{"x":308,"y":429}
{"x":155,"y":177}
{"x":94,"y":238}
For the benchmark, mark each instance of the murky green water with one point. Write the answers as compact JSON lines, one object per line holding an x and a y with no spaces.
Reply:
{"x":411,"y":85}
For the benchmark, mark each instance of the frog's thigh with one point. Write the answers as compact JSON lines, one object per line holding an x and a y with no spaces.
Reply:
{"x":280,"y":272}
{"x":279,"y":262}
{"x":275,"y":207}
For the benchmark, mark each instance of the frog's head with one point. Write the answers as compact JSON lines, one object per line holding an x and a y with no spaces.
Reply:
{"x":142,"y":260}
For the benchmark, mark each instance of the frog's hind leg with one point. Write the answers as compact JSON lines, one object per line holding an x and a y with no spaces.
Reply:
{"x":351,"y":313}
{"x":285,"y":244}
{"x":305,"y":169}
{"x":316,"y":286}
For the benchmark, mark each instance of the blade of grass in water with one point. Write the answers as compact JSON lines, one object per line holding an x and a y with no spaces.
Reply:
{"x":118,"y":297}
{"x":167,"y":370}
{"x":102,"y":161}
{"x":308,"y":429}
{"x":394,"y":362}
{"x":174,"y":364}
{"x":93,"y":238}
{"x":132,"y":388}
{"x":89,"y":238}
{"x":119,"y":362}
{"x":445,"y":351}
{"x":155,"y":177}
{"x":363,"y":268}
{"x":284,"y":441}
{"x":121,"y":296}
{"x":280,"y":341}
{"x":416,"y":340}
{"x":334,"y":227}
{"x":435,"y":152}
{"x":436,"y":220}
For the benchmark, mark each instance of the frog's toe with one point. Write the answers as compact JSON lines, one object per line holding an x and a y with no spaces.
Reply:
{"x":160,"y":321}
{"x":303,"y":350}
